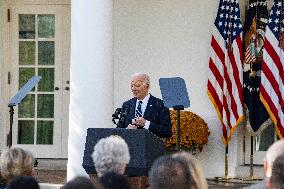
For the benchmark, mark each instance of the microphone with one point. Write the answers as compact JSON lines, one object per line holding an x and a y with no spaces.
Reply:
{"x":116,"y":113}
{"x":119,"y":116}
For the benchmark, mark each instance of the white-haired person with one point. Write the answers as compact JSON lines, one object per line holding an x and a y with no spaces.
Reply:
{"x":144,"y":111}
{"x":276,"y":180}
{"x":111,"y":154}
{"x":16,"y":162}
{"x":274,"y":151}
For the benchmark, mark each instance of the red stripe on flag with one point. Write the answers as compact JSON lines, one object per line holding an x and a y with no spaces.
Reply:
{"x":272,"y":109}
{"x":218,"y":50}
{"x":267,"y":72}
{"x":216,"y":99}
{"x":216,"y":72}
{"x":229,"y":88}
{"x":276,"y":59}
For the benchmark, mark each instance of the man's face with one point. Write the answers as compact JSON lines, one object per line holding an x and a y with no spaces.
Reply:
{"x":139,"y":88}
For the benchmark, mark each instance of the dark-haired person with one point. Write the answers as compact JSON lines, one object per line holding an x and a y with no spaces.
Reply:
{"x":79,"y":183}
{"x":23,"y":182}
{"x":114,"y":181}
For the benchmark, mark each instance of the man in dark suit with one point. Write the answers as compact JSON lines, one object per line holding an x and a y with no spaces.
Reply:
{"x":146,"y":111}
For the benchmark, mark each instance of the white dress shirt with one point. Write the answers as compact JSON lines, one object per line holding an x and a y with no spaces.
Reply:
{"x":143,"y":108}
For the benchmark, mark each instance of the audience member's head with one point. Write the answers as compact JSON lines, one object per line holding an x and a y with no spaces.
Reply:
{"x":197,"y":180}
{"x":16,"y":162}
{"x":23,"y":182}
{"x":276,"y":181}
{"x":168,"y":173}
{"x":114,"y":181}
{"x":111,"y":154}
{"x":79,"y":183}
{"x":272,"y":153}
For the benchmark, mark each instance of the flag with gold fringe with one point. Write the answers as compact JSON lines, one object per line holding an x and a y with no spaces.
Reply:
{"x":254,"y":30}
{"x":272,"y":75}
{"x":225,"y":77}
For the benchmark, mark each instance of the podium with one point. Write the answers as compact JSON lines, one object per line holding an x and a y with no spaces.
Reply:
{"x":144,"y":149}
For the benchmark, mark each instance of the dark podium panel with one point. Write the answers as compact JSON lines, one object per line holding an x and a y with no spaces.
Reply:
{"x":144,"y":148}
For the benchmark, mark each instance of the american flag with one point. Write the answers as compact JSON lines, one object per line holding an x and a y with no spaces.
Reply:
{"x":272,"y":76}
{"x":225,"y":67}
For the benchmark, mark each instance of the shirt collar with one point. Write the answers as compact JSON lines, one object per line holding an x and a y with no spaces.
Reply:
{"x":145,"y":100}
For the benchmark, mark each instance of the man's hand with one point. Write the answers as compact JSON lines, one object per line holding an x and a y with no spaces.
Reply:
{"x":139,"y":121}
{"x":130,"y":126}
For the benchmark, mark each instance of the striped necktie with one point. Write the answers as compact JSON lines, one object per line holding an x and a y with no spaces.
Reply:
{"x":138,"y":112}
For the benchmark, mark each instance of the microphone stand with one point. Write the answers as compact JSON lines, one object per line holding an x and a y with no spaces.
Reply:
{"x":9,"y":142}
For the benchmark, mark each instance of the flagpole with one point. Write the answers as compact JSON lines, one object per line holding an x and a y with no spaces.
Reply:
{"x":251,"y":158}
{"x":226,"y":161}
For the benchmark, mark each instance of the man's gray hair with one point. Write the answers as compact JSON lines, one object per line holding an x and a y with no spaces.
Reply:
{"x":16,"y":162}
{"x":168,"y":173}
{"x":274,"y":151}
{"x":197,"y":178}
{"x":111,"y":154}
{"x":146,"y":77}
{"x":277,"y":177}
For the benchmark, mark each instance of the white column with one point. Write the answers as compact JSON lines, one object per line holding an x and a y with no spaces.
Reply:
{"x":91,"y":76}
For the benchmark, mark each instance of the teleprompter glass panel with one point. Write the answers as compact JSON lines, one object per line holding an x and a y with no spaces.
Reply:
{"x":25,"y":132}
{"x":26,"y":26}
{"x":46,"y":26}
{"x":44,"y":132}
{"x":45,"y":106}
{"x":27,"y":53}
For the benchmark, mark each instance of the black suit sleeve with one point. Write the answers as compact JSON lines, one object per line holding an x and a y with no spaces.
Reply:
{"x":160,"y":124}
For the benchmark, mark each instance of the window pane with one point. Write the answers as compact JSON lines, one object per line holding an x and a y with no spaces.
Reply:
{"x":24,"y":75}
{"x":27,"y":53}
{"x":26,"y":26}
{"x":46,"y":26}
{"x":47,"y":81}
{"x":44,"y":132}
{"x":27,"y":107}
{"x":46,"y":52}
{"x":25,"y":132}
{"x":265,"y":139}
{"x":45,"y":106}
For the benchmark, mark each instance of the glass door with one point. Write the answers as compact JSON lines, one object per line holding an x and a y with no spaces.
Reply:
{"x":37,"y":48}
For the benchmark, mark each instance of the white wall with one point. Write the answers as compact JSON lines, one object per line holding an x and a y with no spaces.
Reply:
{"x":165,"y":39}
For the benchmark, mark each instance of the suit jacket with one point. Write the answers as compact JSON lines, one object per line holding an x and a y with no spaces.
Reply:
{"x":155,"y":112}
